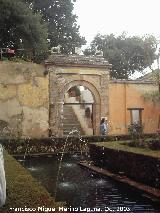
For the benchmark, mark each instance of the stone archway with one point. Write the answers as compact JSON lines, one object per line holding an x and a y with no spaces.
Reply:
{"x":96,"y":96}
{"x":68,"y":71}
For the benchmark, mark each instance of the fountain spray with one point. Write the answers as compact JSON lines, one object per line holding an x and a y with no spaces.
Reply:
{"x":63,"y":152}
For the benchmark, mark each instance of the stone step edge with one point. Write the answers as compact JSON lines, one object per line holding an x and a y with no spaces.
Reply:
{"x":153,"y":193}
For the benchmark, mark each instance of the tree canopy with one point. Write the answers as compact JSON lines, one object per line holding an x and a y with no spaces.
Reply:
{"x":126,"y":54}
{"x":39,"y":25}
{"x":20,"y":28}
{"x":62,"y":23}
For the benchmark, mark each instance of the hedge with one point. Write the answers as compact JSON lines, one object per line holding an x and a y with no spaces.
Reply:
{"x":23,"y":190}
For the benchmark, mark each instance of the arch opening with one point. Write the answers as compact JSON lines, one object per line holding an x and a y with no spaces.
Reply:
{"x":78,"y":110}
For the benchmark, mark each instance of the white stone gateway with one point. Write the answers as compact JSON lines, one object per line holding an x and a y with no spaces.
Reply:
{"x":2,"y":179}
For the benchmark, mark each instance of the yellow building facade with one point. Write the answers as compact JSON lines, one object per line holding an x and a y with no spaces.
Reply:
{"x":127,"y":102}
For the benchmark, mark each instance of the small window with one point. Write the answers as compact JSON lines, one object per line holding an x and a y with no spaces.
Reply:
{"x":136,"y":115}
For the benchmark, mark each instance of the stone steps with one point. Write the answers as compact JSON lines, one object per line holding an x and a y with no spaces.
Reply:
{"x":70,"y":121}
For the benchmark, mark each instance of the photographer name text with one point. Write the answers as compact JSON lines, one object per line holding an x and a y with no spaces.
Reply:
{"x":71,"y":209}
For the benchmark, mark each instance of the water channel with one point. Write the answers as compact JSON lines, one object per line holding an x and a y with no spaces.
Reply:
{"x":80,"y":188}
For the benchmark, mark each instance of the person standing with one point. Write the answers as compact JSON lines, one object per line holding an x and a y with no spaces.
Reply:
{"x":103,"y":127}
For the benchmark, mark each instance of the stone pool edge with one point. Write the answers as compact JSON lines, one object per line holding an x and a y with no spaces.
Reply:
{"x":135,"y":169}
{"x":152,"y":193}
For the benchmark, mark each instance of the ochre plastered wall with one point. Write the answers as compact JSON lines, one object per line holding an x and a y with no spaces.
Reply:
{"x":123,"y":95}
{"x":24,"y":106}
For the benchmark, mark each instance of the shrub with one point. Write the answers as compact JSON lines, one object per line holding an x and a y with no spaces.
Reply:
{"x":154,"y":144}
{"x":22,"y":189}
{"x":154,"y":96}
{"x":158,"y":133}
{"x":136,"y":131}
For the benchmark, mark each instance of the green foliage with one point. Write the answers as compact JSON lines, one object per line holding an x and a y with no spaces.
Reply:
{"x":62,"y":27}
{"x":22,"y":189}
{"x":154,"y":144}
{"x":20,"y":28}
{"x":77,"y":90}
{"x":124,"y":146}
{"x":18,"y":59}
{"x":158,"y":133}
{"x":126,"y":54}
{"x":153,"y":96}
{"x":156,"y":78}
{"x":36,"y":25}
{"x":136,"y":131}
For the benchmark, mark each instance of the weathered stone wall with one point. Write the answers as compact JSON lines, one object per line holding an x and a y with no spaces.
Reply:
{"x":24,"y":107}
{"x":63,"y":78}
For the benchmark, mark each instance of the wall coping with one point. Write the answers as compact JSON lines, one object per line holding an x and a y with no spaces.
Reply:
{"x":77,"y":61}
{"x":123,"y":81}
